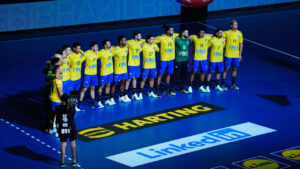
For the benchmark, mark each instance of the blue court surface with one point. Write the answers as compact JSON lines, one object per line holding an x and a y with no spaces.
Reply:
{"x":255,"y":127}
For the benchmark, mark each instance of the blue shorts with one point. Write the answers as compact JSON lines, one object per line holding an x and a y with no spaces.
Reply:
{"x":153,"y":73}
{"x":232,"y":61}
{"x":118,"y":77}
{"x":75,"y":85}
{"x":66,"y":86}
{"x":166,"y":64}
{"x":200,"y":65}
{"x":216,"y":65}
{"x":53,"y":105}
{"x":106,"y":79}
{"x":90,"y":80}
{"x":134,"y":72}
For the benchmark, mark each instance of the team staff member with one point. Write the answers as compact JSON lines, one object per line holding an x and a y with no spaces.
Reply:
{"x":134,"y":69}
{"x":149,"y":65}
{"x":90,"y":74}
{"x":217,"y":44}
{"x":167,"y":56}
{"x":106,"y":73}
{"x":233,"y":53}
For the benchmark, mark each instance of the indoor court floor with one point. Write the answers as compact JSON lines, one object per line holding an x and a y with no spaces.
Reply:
{"x":255,"y":127}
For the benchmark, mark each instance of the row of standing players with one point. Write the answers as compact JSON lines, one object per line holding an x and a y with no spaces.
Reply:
{"x":121,"y":64}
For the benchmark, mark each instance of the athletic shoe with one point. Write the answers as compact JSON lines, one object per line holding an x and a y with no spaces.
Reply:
{"x":74,"y":164}
{"x":108,"y":103}
{"x":135,"y":97}
{"x":127,"y":98}
{"x":207,"y":90}
{"x":151,"y":94}
{"x":112,"y":100}
{"x":141,"y":96}
{"x":184,"y":91}
{"x":235,"y":87}
{"x":172,"y":93}
{"x":61,"y":164}
{"x":190,"y":89}
{"x":77,"y":109}
{"x":95,"y":105}
{"x":81,"y":107}
{"x":219,"y":88}
{"x":201,"y":89}
{"x":224,"y":87}
{"x":100,"y":104}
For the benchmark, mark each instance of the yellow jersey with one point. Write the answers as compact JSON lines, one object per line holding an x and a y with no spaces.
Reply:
{"x":233,"y":40}
{"x":75,"y":65}
{"x":217,"y":49}
{"x":120,"y":59}
{"x":167,"y":46}
{"x":135,"y":48}
{"x":106,"y":62}
{"x":65,"y":69}
{"x":54,"y":96}
{"x":90,"y":58}
{"x":149,"y":60}
{"x":201,"y":47}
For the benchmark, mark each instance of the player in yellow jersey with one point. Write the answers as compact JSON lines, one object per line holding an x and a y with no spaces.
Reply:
{"x":134,"y":69}
{"x":149,"y":65}
{"x":65,"y":66}
{"x":217,"y":44}
{"x":233,"y":53}
{"x":90,"y":75}
{"x":120,"y":54}
{"x":167,"y":56}
{"x":106,"y":72}
{"x":76,"y":59}
{"x":201,"y":43}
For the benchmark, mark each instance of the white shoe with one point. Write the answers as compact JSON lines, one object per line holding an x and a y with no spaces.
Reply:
{"x":127,"y":98}
{"x":201,"y":89}
{"x":112,"y":100}
{"x":108,"y":103}
{"x":122,"y":99}
{"x":77,"y":109}
{"x":224,"y":87}
{"x":235,"y":87}
{"x":219,"y":88}
{"x":100,"y":104}
{"x":190,"y":89}
{"x":135,"y":97}
{"x":207,"y":90}
{"x":141,"y":96}
{"x":151,"y":94}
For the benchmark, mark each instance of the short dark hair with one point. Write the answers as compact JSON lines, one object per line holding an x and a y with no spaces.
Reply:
{"x":231,"y":22}
{"x":167,"y":27}
{"x":75,"y":44}
{"x":92,"y":44}
{"x":54,"y":60}
{"x":120,"y":38}
{"x":59,"y":51}
{"x":148,"y":37}
{"x":104,"y":42}
{"x":136,"y":33}
{"x":65,"y":47}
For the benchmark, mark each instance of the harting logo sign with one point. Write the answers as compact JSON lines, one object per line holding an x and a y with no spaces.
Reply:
{"x":144,"y":121}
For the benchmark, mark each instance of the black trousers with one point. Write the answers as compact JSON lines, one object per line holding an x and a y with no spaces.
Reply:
{"x":180,"y":75}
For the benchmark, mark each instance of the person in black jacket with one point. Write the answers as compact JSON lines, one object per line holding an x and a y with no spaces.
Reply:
{"x":66,"y":127}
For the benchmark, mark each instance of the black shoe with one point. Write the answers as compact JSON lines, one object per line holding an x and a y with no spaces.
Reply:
{"x":61,"y":164}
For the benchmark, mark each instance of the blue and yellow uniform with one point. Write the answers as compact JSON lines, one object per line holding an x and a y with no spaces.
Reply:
{"x":232,"y":49}
{"x":201,"y":51}
{"x":76,"y":60}
{"x":134,"y":50}
{"x":167,"y":52}
{"x":216,"y":54}
{"x":65,"y":66}
{"x":107,"y":68}
{"x":149,"y":60}
{"x":90,"y":71}
{"x":54,"y":95}
{"x":120,"y":63}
